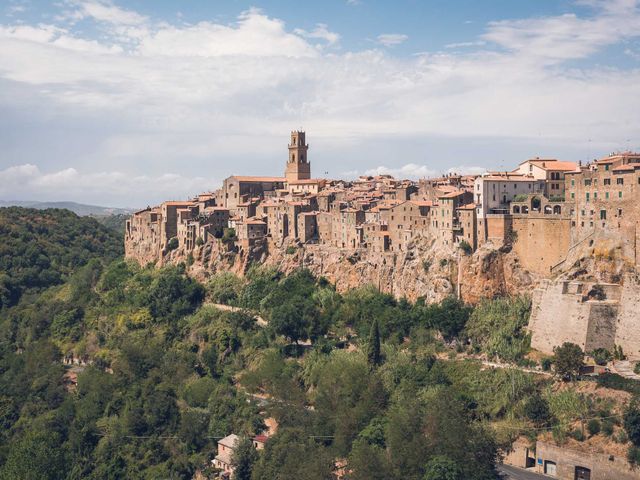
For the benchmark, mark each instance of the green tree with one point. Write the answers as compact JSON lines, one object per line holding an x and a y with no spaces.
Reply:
{"x":37,"y":456}
{"x":373,"y":348}
{"x":568,"y":359}
{"x":442,"y":468}
{"x":632,"y":421}
{"x":243,"y":458}
{"x":537,"y":410}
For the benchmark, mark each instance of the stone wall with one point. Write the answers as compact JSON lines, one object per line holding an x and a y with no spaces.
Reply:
{"x":562,"y":312}
{"x":628,"y":326}
{"x":601,"y":466}
{"x":540,"y":242}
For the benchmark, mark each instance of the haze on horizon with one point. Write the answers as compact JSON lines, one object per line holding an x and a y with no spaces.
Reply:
{"x":127,"y":103}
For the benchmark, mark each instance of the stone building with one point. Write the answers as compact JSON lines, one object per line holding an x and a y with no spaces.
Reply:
{"x":551,"y":171}
{"x":606,"y":195}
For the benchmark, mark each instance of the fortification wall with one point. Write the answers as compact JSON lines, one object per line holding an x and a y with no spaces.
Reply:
{"x":561,"y":312}
{"x":628,"y":326}
{"x":558,"y":315}
{"x":540,"y":242}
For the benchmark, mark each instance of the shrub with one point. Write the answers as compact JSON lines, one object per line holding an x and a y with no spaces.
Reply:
{"x":199,"y":241}
{"x":521,"y":197}
{"x":636,"y":368}
{"x":465,"y":247}
{"x":443,"y":262}
{"x":578,"y":435}
{"x":633,"y":455}
{"x":632,"y":422}
{"x":607,"y":427}
{"x":172,"y":244}
{"x":537,"y":410}
{"x":593,"y":427}
{"x":291,"y":250}
{"x":229,"y":235}
{"x":546,"y":363}
{"x":601,"y":356}
{"x":597,"y":293}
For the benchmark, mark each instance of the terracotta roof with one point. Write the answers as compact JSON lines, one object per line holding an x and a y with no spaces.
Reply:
{"x":422,"y":203}
{"x":625,"y":168}
{"x":508,"y":177}
{"x":229,"y":441}
{"x":468,"y":206}
{"x":555,"y":165}
{"x":455,"y":194}
{"x":177,"y":203}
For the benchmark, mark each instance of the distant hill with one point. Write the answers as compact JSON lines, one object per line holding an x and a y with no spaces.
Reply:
{"x":77,"y":208}
{"x":42,"y":248}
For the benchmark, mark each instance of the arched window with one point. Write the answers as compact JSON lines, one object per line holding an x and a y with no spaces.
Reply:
{"x":547,"y":210}
{"x":525,"y":209}
{"x":516,"y":209}
{"x":293,"y":157}
{"x":557,"y":209}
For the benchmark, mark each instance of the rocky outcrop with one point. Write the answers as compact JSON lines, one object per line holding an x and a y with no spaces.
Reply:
{"x":423,"y":270}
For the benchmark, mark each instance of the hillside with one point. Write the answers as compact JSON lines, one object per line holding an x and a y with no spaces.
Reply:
{"x":41,"y":248}
{"x":77,"y":208}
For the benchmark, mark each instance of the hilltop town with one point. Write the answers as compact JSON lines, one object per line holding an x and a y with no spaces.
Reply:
{"x":563,"y":230}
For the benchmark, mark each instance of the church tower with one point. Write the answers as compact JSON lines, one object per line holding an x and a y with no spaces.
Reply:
{"x":298,"y":166}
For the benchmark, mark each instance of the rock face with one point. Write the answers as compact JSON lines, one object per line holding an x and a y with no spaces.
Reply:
{"x":423,"y":270}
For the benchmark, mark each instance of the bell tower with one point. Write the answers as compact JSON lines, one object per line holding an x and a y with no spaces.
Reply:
{"x":298,"y":166}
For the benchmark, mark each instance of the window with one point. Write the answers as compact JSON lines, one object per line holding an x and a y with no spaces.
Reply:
{"x":587,"y":182}
{"x":619,"y":181}
{"x":587,"y":196}
{"x":619,"y":194}
{"x":573,"y":182}
{"x":606,"y":167}
{"x":595,"y":195}
{"x":606,"y":195}
{"x":607,"y":181}
{"x":573,"y":195}
{"x":619,"y":212}
{"x":603,"y":214}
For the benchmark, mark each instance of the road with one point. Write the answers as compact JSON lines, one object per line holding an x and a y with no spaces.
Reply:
{"x":513,"y":473}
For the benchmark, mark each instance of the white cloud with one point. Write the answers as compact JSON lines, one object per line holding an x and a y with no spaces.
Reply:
{"x":320,"y":32}
{"x":410,"y":170}
{"x":102,"y":11}
{"x":478,"y":43}
{"x":391,"y":39}
{"x":27,"y":181}
{"x":568,"y":36}
{"x":176,"y":92}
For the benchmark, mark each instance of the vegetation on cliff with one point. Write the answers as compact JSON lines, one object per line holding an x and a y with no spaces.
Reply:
{"x":41,"y":248}
{"x":361,"y":378}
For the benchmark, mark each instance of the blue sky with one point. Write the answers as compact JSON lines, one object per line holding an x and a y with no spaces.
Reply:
{"x":127,"y":103}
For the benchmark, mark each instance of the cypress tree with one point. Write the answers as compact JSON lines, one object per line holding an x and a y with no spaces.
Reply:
{"x":373,"y":350}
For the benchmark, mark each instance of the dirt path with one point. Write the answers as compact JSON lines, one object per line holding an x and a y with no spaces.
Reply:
{"x":228,"y":308}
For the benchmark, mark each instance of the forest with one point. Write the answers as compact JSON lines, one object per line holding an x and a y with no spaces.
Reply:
{"x":359,"y":384}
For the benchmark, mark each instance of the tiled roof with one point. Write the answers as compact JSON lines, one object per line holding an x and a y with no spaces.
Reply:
{"x":555,"y":165}
{"x":230,"y":440}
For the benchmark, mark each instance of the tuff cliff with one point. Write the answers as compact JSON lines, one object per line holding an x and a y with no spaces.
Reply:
{"x":423,"y":270}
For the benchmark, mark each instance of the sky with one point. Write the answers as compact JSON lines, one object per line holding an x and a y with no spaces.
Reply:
{"x":131,"y":102}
